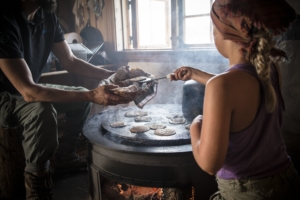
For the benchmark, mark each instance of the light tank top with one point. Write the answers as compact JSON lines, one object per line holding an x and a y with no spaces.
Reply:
{"x":257,"y":151}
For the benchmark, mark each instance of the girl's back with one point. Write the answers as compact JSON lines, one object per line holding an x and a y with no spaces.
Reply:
{"x":255,"y":148}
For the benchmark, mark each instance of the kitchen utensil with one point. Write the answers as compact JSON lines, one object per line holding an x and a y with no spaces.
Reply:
{"x":95,"y":52}
{"x":154,"y":79}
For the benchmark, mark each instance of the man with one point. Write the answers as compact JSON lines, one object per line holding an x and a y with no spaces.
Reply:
{"x":29,"y":31}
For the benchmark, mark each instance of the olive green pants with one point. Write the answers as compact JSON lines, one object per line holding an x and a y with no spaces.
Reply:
{"x":282,"y":186}
{"x":38,"y":121}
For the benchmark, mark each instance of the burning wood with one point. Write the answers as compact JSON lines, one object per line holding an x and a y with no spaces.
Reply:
{"x":121,"y":191}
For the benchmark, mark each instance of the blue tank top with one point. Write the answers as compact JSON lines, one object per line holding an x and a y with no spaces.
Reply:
{"x":257,"y":151}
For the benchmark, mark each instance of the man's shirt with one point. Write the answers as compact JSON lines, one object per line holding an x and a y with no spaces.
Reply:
{"x":30,"y":40}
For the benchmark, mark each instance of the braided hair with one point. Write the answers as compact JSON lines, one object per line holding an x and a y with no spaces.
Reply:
{"x":262,"y":58}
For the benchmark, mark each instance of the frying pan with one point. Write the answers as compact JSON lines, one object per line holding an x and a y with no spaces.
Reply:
{"x":91,"y":34}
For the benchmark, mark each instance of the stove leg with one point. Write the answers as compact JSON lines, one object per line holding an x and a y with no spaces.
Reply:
{"x":95,"y":184}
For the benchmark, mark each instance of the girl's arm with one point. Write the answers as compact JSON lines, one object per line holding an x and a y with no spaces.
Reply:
{"x":210,"y":135}
{"x":186,"y":73}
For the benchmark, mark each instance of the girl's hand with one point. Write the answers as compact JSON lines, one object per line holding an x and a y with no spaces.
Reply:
{"x":196,"y":125}
{"x":183,"y":73}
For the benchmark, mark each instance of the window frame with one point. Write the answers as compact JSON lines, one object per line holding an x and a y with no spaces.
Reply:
{"x":177,"y":28}
{"x":189,"y":54}
{"x":181,"y":28}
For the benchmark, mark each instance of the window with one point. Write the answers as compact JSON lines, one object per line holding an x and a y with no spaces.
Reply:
{"x":163,"y":24}
{"x":196,"y":22}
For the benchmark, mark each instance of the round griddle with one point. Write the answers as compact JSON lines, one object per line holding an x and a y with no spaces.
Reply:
{"x":98,"y":130}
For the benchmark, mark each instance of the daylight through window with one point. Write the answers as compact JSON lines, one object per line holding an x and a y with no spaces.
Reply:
{"x":166,"y":24}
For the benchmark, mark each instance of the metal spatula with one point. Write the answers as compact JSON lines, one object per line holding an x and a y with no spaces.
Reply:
{"x":154,"y":79}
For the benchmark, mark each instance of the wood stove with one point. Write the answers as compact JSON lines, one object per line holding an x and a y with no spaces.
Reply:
{"x":143,"y":159}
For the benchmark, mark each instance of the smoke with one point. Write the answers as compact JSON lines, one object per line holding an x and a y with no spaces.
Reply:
{"x":171,"y":92}
{"x":208,"y":60}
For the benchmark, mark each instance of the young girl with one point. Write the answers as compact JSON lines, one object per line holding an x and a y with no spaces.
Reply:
{"x":238,"y":137}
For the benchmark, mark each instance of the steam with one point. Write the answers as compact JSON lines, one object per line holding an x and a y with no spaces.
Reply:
{"x":208,"y":60}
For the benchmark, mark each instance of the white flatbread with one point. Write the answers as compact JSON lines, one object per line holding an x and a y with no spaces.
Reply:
{"x":139,"y":129}
{"x":136,"y":113}
{"x":142,"y":119}
{"x":156,"y":126}
{"x":118,"y":124}
{"x":172,"y":116}
{"x":164,"y":132}
{"x":177,"y":121}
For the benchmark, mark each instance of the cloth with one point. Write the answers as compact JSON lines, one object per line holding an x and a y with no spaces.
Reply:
{"x":284,"y":185}
{"x":39,"y":124}
{"x":142,"y":93}
{"x":32,"y":41}
{"x":237,"y":20}
{"x":257,"y":151}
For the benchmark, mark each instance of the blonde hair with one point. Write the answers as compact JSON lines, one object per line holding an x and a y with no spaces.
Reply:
{"x":261,"y":58}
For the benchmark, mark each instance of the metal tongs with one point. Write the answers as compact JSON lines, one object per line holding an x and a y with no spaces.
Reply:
{"x":154,"y":79}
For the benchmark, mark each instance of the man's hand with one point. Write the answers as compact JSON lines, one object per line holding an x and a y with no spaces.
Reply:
{"x":104,"y":96}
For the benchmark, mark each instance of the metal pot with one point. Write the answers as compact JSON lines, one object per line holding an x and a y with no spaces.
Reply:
{"x":192,"y":99}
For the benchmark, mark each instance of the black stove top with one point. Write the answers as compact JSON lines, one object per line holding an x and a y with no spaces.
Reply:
{"x":98,"y":130}
{"x":158,"y":114}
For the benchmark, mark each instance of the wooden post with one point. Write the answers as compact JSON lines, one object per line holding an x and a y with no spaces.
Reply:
{"x":12,"y":164}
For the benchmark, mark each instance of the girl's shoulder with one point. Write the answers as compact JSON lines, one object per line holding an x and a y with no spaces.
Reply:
{"x":234,"y":83}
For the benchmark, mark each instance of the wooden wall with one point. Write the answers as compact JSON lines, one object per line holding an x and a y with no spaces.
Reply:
{"x":104,"y":23}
